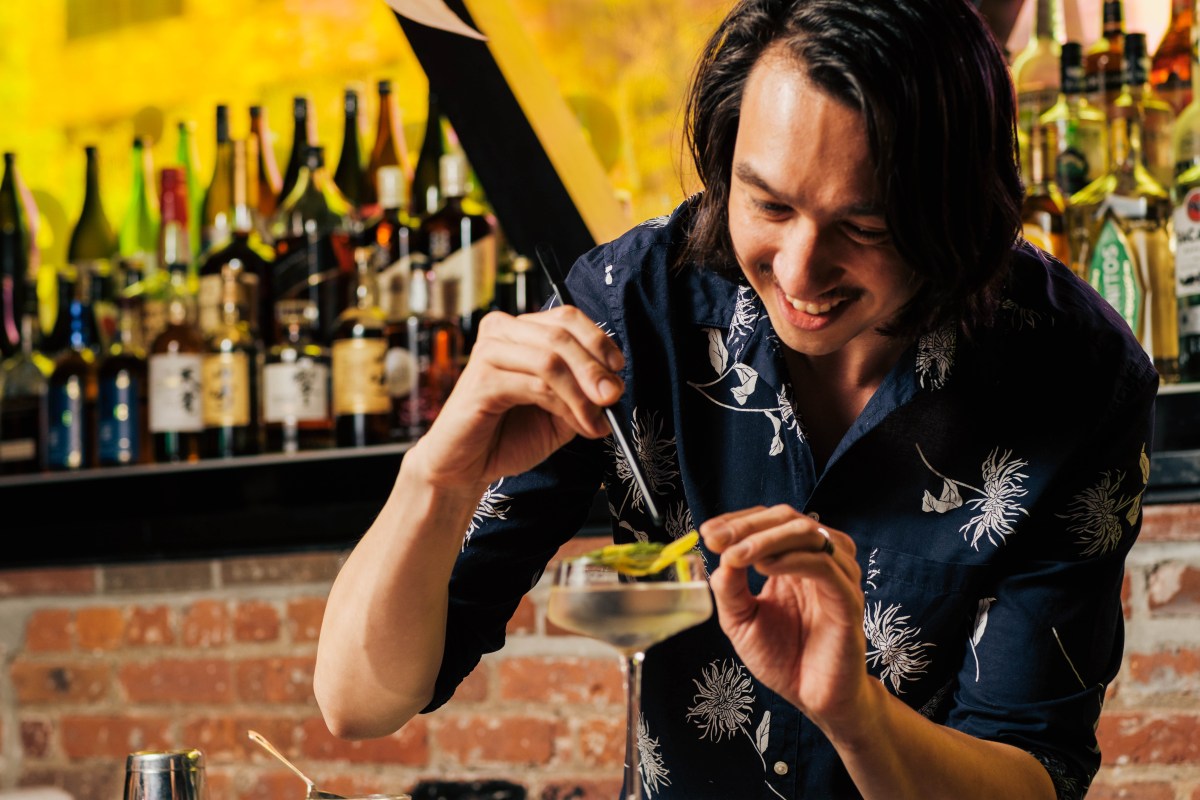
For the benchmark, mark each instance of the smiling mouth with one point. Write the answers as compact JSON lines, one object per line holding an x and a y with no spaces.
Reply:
{"x":815,"y":309}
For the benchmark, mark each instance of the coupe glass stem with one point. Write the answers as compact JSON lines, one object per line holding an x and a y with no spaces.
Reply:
{"x":631,"y":667}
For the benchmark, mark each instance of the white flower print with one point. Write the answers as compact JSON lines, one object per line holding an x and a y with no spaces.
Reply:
{"x":1020,"y":316}
{"x":653,"y":451}
{"x":654,"y":773}
{"x":935,"y":356}
{"x":1094,"y":514}
{"x":894,"y":648}
{"x":872,"y":570}
{"x":934,"y":703}
{"x":745,"y":315}
{"x":981,"y":620}
{"x":492,"y":505}
{"x":679,"y":520}
{"x":998,"y":497}
{"x":656,"y":222}
{"x":724,"y":705}
{"x":787,"y":412}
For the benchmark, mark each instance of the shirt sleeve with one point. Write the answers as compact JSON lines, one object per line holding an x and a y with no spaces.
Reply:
{"x":518,"y":526}
{"x":1046,"y":645}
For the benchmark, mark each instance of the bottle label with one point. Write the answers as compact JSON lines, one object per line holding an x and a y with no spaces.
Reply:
{"x":208,"y":302}
{"x":1113,"y":273}
{"x":119,"y":440}
{"x":298,"y":391}
{"x":20,"y":422}
{"x":401,"y":367}
{"x":65,"y":437}
{"x":226,"y":379}
{"x":176,"y":402}
{"x":473,"y":267}
{"x":393,"y":282}
{"x":1187,"y":244}
{"x":359,"y":377}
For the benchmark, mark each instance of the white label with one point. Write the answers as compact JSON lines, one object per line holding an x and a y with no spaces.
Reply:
{"x":400,"y":370}
{"x":1187,"y":245}
{"x":208,"y":299}
{"x":474,"y":267}
{"x":18,"y":450}
{"x":176,"y":400}
{"x":296,"y":391}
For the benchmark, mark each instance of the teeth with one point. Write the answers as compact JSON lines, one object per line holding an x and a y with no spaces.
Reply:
{"x":815,"y":308}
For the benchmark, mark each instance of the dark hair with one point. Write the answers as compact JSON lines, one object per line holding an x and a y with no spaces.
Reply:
{"x":933,"y":87}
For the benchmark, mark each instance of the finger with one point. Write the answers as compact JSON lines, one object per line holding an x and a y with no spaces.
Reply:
{"x":719,"y":532}
{"x":563,"y":350}
{"x":797,"y":535}
{"x":586,"y":331}
{"x":729,"y":529}
{"x":731,"y":593}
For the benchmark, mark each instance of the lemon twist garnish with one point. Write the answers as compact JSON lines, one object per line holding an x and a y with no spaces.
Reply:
{"x":644,"y":558}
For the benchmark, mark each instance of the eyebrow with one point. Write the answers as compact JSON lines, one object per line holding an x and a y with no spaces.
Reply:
{"x":747,"y":174}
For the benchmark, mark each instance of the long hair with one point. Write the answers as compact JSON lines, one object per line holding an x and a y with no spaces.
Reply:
{"x":933,"y":88}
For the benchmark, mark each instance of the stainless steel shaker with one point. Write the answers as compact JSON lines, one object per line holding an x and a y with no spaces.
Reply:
{"x":165,"y":775}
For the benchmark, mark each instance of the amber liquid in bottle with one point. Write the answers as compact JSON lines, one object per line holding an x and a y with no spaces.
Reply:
{"x":361,"y":405}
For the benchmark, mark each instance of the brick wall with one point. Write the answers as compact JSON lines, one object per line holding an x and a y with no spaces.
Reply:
{"x":101,"y":661}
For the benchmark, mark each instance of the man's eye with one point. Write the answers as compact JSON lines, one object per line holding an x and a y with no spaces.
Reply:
{"x":868,"y":235}
{"x":768,"y":207}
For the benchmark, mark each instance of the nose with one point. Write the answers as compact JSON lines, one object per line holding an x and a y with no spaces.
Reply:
{"x":801,"y":265}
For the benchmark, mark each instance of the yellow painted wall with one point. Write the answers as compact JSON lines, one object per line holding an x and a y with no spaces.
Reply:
{"x":622,"y":65}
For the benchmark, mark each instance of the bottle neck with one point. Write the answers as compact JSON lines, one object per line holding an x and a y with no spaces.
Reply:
{"x":180,"y":307}
{"x":82,"y":322}
{"x":1048,"y":21}
{"x":1113,"y":18}
{"x":129,"y":329}
{"x":91,"y":196}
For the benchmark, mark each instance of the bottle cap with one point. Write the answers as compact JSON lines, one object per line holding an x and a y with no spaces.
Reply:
{"x":390,"y":186}
{"x":173,"y":191}
{"x":1137,"y":67}
{"x":385,"y":86}
{"x":452,"y":171}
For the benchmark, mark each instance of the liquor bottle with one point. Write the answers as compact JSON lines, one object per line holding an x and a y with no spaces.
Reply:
{"x":215,"y":219}
{"x":137,"y":242}
{"x":269,"y":180}
{"x":59,"y":337}
{"x":1171,"y":67}
{"x":312,"y":245}
{"x":23,"y":398}
{"x":1185,"y":194}
{"x":393,"y":235}
{"x":361,"y":405}
{"x":1158,"y":120}
{"x":121,"y":411}
{"x":91,"y":249}
{"x":389,"y":149}
{"x":245,"y":251}
{"x":422,"y":361}
{"x":426,"y":194}
{"x":1102,"y":61}
{"x":1035,"y":70}
{"x":187,"y":157}
{"x":461,"y":248}
{"x":230,"y":377}
{"x":514,"y":292}
{"x":302,"y":139}
{"x":1076,"y":132}
{"x":177,"y":354}
{"x":14,"y":260}
{"x":1127,"y":250}
{"x":296,"y":385}
{"x":349,"y":175}
{"x":71,"y":390}
{"x":1042,"y":212}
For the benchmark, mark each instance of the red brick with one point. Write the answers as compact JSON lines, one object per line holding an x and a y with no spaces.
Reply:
{"x":112,"y":736}
{"x":49,"y":630}
{"x":1174,"y":589}
{"x":1170,"y":523}
{"x":561,"y":680}
{"x":495,"y":740}
{"x":1138,"y":790}
{"x":35,"y":737}
{"x":206,"y":624}
{"x":601,"y":742}
{"x":524,"y":619}
{"x":21,"y":583}
{"x":1127,"y":594}
{"x":100,"y":628}
{"x":173,"y":680}
{"x":255,"y":621}
{"x":475,"y":687}
{"x":581,"y":789}
{"x":81,"y":782}
{"x":227,"y":737}
{"x":408,"y":746}
{"x":276,"y":680}
{"x":149,"y":626}
{"x":63,"y":682}
{"x":1134,"y":738}
{"x":304,"y":618}
{"x":1170,"y":670}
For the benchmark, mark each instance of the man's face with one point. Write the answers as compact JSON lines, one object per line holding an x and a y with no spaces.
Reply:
{"x":806,"y":219}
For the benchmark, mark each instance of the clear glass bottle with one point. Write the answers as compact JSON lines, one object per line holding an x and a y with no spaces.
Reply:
{"x":71,"y":391}
{"x":312,"y":245}
{"x":1035,"y":70}
{"x":1158,"y":120}
{"x":361,"y":405}
{"x":121,"y":411}
{"x":296,"y":385}
{"x":177,"y":354}
{"x":216,"y":220}
{"x":1171,"y":66}
{"x":1127,"y":249}
{"x":24,"y":416}
{"x":187,"y":156}
{"x":230,"y":376}
{"x":1103,"y":60}
{"x":1076,"y":131}
{"x":1043,"y":210}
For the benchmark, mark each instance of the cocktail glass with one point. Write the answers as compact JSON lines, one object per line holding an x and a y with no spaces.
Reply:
{"x":631,"y":613}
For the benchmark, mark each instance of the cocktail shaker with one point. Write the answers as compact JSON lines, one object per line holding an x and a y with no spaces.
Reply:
{"x":165,"y":775}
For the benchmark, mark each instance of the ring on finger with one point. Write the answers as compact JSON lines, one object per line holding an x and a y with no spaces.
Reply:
{"x":827,"y":547}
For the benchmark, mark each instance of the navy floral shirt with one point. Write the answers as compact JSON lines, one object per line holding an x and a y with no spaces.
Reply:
{"x":992,"y":485}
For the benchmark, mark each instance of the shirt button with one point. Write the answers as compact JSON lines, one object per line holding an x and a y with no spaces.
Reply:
{"x":816,"y":517}
{"x":781,"y":768}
